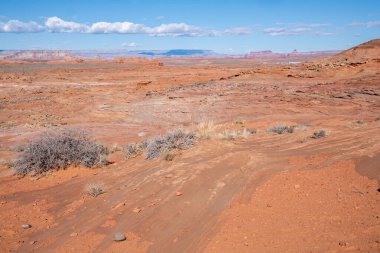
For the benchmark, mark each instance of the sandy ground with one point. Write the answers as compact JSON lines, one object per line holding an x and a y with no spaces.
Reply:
{"x":265,"y":193}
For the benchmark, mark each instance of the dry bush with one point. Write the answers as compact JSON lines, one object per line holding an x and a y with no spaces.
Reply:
{"x":282,"y":129}
{"x":94,"y":189}
{"x":206,"y":129}
{"x":319,"y":134}
{"x":174,"y":140}
{"x":132,"y":150}
{"x":58,"y":150}
{"x":234,"y":134}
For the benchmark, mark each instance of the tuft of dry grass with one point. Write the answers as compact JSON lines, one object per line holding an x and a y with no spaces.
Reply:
{"x":206,"y":129}
{"x":94,"y":189}
{"x":234,"y":134}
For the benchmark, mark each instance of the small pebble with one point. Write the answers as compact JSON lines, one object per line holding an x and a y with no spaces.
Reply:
{"x":178,"y":193}
{"x":26,"y":226}
{"x":32,"y":242}
{"x":73,"y":234}
{"x":118,"y":237}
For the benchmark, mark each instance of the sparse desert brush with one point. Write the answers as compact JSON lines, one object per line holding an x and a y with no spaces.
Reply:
{"x":206,"y":129}
{"x":377,"y":118}
{"x":94,"y":189}
{"x":115,"y":147}
{"x":282,"y":129}
{"x":132,"y":150}
{"x":58,"y":150}
{"x":239,"y":122}
{"x":252,"y":131}
{"x":359,"y":122}
{"x":235,"y":134}
{"x":174,"y":140}
{"x":169,"y":156}
{"x":319,"y":134}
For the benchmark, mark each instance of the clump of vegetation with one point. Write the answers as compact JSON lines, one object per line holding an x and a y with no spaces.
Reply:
{"x":95,"y":189}
{"x":174,"y":140}
{"x":282,"y":129}
{"x":319,"y":134}
{"x":252,"y":131}
{"x":169,"y":157}
{"x":58,"y":150}
{"x":359,"y":122}
{"x":206,"y":129}
{"x":239,"y":122}
{"x":233,"y":134}
{"x":132,"y":150}
{"x":377,"y":118}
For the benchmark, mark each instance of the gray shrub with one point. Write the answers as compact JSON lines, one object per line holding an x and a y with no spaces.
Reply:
{"x":58,"y":150}
{"x":282,"y":129}
{"x":177,"y":139}
{"x":319,"y":134}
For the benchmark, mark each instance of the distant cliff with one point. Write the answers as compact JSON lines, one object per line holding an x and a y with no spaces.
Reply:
{"x":37,"y":55}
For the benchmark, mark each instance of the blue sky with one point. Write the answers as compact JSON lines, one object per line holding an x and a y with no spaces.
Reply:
{"x":224,"y":26}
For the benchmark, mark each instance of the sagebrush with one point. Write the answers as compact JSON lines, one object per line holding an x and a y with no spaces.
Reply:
{"x":94,"y":189}
{"x":282,"y":129}
{"x":58,"y":150}
{"x":174,"y":140}
{"x":319,"y":134}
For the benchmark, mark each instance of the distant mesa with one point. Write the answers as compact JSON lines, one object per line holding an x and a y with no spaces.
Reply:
{"x":294,"y":56}
{"x":368,"y":50}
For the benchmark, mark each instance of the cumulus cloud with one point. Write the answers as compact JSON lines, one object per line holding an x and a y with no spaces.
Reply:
{"x":58,"y":25}
{"x":117,"y":27}
{"x":369,"y":24}
{"x":16,"y":26}
{"x":177,"y":29}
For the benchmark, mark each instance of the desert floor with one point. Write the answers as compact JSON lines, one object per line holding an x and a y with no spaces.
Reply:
{"x":264,"y":193}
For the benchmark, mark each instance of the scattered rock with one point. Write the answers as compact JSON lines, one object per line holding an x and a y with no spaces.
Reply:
{"x":137,"y":210}
{"x":119,"y":236}
{"x":26,"y":226}
{"x":343,"y":244}
{"x":178,"y":193}
{"x":169,"y":176}
{"x":73,"y":234}
{"x":297,"y":186}
{"x":32,"y":242}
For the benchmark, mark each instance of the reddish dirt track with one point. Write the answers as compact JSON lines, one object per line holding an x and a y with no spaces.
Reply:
{"x":265,"y":193}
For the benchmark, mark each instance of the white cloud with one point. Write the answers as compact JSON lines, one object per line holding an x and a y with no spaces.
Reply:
{"x":369,"y":24}
{"x":286,"y":31}
{"x":117,"y":27}
{"x":57,"y":25}
{"x":238,"y":31}
{"x":16,"y":26}
{"x":312,"y":25}
{"x":177,"y":29}
{"x":130,"y":44}
{"x":319,"y":33}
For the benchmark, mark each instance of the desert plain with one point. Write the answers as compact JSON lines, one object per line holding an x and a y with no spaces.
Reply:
{"x":239,"y":188}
